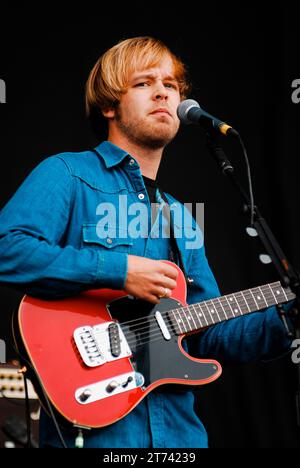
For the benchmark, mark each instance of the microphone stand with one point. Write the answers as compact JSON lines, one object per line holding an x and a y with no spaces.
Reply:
{"x":289,"y":277}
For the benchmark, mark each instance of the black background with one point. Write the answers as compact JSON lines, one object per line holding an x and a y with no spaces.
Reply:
{"x":242,"y":63}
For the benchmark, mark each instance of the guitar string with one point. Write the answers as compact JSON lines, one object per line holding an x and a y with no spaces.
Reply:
{"x":141,"y":321}
{"x":219,"y":302}
{"x":160,"y":337}
{"x":157,"y":333}
{"x":152,"y":319}
{"x":237,"y":312}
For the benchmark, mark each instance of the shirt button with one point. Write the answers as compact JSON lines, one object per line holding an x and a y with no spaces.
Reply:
{"x":109,"y":240}
{"x":131,"y":162}
{"x":141,"y":196}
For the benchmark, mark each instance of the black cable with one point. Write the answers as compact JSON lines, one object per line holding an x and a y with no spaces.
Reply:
{"x":251,"y":196}
{"x":49,"y":407}
{"x":27,"y":411}
{"x":64,"y":445}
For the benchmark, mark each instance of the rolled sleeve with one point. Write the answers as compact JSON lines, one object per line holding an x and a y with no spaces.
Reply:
{"x":112,"y":269}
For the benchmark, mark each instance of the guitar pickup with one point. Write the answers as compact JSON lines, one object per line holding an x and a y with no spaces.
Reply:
{"x":102,"y":343}
{"x":114,"y":339}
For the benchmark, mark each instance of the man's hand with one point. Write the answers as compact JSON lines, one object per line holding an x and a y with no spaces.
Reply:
{"x":149,"y":279}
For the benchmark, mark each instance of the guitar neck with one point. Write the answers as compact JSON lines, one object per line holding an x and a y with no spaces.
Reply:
{"x":203,"y":314}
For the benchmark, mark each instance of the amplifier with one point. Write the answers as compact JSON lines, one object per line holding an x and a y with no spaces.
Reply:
{"x":13,"y":427}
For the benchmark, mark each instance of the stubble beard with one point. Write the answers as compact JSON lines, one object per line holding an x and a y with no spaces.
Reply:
{"x":145,"y":134}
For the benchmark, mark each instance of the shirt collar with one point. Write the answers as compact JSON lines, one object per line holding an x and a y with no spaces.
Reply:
{"x":111,"y":154}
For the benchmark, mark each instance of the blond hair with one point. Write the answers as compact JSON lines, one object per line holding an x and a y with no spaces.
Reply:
{"x":109,"y":77}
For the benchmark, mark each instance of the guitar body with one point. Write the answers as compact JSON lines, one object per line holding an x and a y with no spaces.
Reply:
{"x":93,"y":393}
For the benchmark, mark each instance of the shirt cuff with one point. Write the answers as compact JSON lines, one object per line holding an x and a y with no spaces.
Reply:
{"x":112,"y":270}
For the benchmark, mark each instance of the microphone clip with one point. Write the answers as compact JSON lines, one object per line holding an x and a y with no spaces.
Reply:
{"x":217,"y":152}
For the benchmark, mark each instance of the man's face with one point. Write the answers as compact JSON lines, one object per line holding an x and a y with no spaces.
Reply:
{"x":147,"y":113}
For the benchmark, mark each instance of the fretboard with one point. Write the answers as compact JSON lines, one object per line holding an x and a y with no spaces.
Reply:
{"x":203,"y":314}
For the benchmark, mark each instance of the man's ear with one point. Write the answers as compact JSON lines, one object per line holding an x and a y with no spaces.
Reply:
{"x":109,"y":113}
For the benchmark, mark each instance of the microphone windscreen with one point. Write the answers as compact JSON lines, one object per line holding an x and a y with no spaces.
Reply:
{"x":183,"y":109}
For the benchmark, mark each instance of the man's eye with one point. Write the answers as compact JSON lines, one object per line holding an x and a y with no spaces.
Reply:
{"x":142,"y":84}
{"x":171,"y":85}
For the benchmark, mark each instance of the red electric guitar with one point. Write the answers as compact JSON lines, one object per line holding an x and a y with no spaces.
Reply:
{"x":98,"y":355}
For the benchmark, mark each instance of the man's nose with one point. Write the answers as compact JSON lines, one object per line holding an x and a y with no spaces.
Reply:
{"x":160,"y":91}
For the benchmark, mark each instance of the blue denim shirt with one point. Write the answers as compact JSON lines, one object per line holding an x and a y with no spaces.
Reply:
{"x":50,"y":247}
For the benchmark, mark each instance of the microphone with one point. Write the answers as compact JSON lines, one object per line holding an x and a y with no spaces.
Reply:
{"x":189,"y":112}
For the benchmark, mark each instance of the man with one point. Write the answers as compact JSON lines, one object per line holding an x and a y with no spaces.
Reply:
{"x":52,"y":245}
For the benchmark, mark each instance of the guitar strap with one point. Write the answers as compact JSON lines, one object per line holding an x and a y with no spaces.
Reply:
{"x":175,"y":253}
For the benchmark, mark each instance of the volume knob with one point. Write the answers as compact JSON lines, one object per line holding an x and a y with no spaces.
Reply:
{"x":85,"y":395}
{"x":112,"y":386}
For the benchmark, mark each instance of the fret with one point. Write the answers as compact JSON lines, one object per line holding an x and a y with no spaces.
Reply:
{"x":215,"y":311}
{"x":178,"y":321}
{"x":192,"y":315}
{"x":250,"y":300}
{"x":203,"y":314}
{"x":219,"y":299}
{"x":279,"y":292}
{"x":212,"y":320}
{"x":263,"y":296}
{"x":275,"y":299}
{"x":183,"y":320}
{"x":233,"y":304}
{"x":268,"y":295}
{"x":219,"y":308}
{"x":188,"y":318}
{"x":256,"y":305}
{"x":227,"y":306}
{"x":258,"y":298}
{"x":230,"y":305}
{"x":237,"y":303}
{"x":285,"y":294}
{"x":245,"y":302}
{"x":198,"y":315}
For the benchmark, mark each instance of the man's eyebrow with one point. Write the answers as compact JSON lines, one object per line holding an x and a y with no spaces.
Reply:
{"x":152,"y":76}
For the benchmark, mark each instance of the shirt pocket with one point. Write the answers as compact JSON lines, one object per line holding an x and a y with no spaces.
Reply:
{"x":117,"y":239}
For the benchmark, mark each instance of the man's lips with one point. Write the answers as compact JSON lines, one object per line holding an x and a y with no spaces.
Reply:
{"x":161,"y":111}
